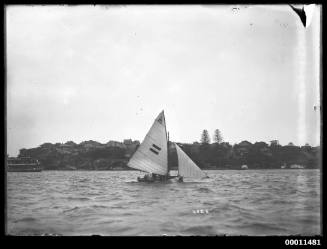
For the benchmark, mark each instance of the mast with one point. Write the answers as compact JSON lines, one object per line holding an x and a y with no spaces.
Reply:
{"x":177,"y":161}
{"x":167,"y":137}
{"x":168,"y":153}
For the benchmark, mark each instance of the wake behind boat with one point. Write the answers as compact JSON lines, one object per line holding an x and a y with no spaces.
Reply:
{"x":152,"y":156}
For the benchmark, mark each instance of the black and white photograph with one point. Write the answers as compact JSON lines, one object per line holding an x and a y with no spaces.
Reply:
{"x":163,"y":120}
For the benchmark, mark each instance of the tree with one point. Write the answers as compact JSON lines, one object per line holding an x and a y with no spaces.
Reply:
{"x":205,"y":138}
{"x":217,"y":137}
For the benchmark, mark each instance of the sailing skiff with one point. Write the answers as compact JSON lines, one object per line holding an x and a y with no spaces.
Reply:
{"x":152,"y":156}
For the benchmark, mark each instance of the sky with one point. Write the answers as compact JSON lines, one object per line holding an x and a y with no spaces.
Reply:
{"x":105,"y":72}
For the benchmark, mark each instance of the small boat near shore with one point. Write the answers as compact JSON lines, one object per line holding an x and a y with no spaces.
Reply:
{"x":244,"y":167}
{"x":297,"y":166}
{"x":23,"y":164}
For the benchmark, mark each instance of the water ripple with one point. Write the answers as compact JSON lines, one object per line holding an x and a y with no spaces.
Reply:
{"x":232,"y":202}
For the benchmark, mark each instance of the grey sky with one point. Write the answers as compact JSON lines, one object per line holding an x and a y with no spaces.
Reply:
{"x":104,"y":73}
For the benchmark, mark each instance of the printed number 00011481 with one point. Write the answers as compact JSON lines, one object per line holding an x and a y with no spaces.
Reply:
{"x":302,"y":242}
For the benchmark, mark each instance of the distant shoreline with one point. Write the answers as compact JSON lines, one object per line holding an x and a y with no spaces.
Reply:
{"x":114,"y":155}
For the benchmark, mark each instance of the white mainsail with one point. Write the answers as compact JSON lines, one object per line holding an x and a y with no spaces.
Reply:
{"x":151,"y":156}
{"x":186,"y":167}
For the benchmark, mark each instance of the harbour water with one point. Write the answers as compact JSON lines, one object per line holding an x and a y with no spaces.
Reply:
{"x":230,"y":202}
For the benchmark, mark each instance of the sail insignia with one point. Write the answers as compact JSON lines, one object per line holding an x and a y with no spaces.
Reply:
{"x":155,"y":152}
{"x":161,"y":119}
{"x":156,"y":147}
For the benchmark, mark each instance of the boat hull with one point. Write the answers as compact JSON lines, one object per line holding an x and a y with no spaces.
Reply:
{"x":165,"y":180}
{"x":23,"y":164}
{"x":24,"y":170}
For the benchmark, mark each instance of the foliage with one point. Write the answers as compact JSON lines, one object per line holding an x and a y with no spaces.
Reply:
{"x":205,"y":138}
{"x":217,"y":137}
{"x":207,"y":156}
